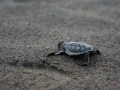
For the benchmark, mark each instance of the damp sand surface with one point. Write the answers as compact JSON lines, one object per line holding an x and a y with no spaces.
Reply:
{"x":30,"y":29}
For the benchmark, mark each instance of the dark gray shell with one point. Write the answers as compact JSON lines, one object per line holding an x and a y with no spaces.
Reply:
{"x":76,"y":48}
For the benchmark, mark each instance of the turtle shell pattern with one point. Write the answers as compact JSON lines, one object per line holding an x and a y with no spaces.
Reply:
{"x":76,"y":48}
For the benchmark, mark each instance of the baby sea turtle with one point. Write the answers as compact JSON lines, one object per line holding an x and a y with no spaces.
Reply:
{"x":76,"y":49}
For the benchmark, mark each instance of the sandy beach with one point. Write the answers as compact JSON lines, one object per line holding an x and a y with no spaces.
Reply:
{"x":31,"y":29}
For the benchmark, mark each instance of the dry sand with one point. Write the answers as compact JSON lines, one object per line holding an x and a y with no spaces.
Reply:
{"x":30,"y":29}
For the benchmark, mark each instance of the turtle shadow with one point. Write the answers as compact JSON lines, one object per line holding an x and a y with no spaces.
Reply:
{"x":80,"y":59}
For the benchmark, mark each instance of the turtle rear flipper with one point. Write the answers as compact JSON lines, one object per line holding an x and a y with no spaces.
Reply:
{"x":84,"y":61}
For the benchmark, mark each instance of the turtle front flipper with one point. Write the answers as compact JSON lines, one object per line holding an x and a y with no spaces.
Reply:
{"x":95,"y":51}
{"x":55,"y":53}
{"x":58,"y":53}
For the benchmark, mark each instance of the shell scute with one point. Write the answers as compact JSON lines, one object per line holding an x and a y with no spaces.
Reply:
{"x":73,"y":48}
{"x":78,"y":49}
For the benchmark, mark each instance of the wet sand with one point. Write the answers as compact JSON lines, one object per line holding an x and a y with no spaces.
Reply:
{"x":30,"y":29}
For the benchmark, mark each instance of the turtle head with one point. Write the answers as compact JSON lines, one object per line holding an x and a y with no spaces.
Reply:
{"x":61,"y":45}
{"x":96,"y":51}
